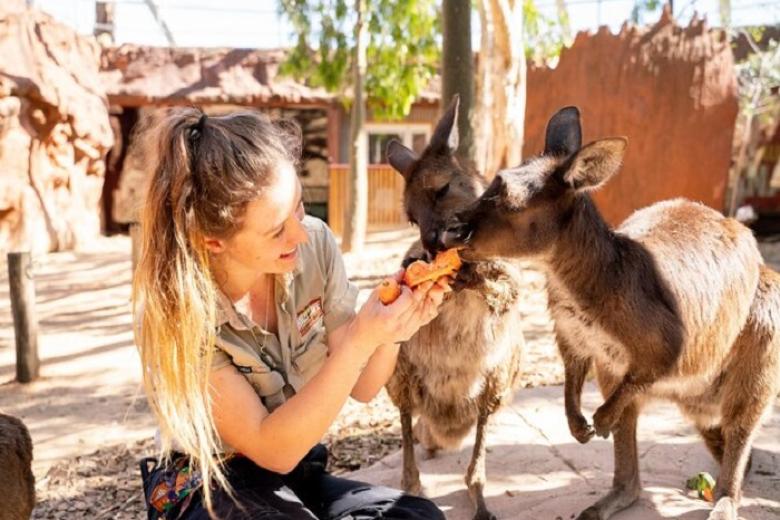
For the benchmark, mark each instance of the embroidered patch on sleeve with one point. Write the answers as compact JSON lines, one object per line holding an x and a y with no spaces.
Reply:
{"x":309,"y":316}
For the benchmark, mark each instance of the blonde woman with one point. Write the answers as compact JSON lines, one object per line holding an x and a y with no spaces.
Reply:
{"x":249,"y":339}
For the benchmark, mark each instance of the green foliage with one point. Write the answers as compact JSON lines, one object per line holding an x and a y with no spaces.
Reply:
{"x":642,"y":7}
{"x":404,"y":40}
{"x":758,"y":80}
{"x":756,"y":32}
{"x":724,"y":7}
{"x":545,"y":36}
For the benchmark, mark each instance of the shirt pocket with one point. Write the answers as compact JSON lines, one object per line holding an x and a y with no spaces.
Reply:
{"x":311,"y":357}
{"x":268,"y":384}
{"x":315,"y":335}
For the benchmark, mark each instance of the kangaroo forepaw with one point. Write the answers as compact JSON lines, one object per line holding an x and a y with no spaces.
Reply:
{"x":467,"y":278}
{"x":603,"y":421}
{"x":580,"y":429}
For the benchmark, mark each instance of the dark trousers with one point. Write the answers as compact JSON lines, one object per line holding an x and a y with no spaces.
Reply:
{"x":309,"y":492}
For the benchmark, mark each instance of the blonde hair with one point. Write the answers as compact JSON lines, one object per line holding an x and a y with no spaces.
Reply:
{"x":203,"y":172}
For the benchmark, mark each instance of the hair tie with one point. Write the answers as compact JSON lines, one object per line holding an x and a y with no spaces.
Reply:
{"x":196,"y":130}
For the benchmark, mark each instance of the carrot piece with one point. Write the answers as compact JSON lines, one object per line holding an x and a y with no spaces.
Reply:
{"x":446,"y":263}
{"x":389,"y":291}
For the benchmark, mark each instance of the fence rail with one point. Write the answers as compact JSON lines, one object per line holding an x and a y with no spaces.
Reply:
{"x":385,"y":191}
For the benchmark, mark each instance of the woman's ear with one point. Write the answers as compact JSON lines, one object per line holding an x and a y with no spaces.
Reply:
{"x":214,"y":245}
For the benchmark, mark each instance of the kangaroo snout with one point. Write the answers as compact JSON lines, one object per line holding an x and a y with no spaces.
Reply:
{"x":456,"y":234}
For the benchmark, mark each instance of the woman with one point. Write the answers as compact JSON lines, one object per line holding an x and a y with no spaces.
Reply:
{"x":249,"y":341}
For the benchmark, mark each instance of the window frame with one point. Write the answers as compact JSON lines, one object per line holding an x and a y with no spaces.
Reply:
{"x":405,"y":130}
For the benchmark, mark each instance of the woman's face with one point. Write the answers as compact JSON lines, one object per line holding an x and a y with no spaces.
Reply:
{"x":268,"y":240}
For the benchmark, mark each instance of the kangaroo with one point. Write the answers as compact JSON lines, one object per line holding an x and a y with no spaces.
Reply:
{"x":675,"y":303}
{"x":460,"y":368}
{"x":16,"y":478}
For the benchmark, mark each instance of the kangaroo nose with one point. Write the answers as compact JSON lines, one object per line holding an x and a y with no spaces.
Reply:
{"x":456,"y":235}
{"x":431,"y":240}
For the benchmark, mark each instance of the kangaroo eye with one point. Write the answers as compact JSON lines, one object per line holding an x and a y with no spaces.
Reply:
{"x":441,"y":192}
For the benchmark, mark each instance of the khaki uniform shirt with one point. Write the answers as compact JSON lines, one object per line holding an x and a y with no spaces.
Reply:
{"x":314,"y":299}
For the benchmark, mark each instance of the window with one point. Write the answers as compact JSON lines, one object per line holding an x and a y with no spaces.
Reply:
{"x":413,"y":135}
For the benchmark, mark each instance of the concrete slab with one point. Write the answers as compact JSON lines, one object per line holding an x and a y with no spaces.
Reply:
{"x":536,"y":470}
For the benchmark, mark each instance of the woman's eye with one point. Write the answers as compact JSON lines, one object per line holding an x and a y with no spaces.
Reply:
{"x":300,"y":212}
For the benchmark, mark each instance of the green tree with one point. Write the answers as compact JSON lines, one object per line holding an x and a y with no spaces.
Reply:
{"x":545,"y":36}
{"x":758,"y":81}
{"x":400,"y":52}
{"x":724,"y":7}
{"x":644,"y":7}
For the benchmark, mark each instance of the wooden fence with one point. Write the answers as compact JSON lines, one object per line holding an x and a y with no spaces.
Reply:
{"x":385,"y":191}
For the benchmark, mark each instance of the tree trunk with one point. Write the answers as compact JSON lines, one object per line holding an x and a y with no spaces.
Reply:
{"x":501,"y":83}
{"x":458,"y":68}
{"x":356,"y":209}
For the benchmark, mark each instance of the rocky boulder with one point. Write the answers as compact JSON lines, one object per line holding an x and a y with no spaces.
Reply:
{"x":54,"y":133}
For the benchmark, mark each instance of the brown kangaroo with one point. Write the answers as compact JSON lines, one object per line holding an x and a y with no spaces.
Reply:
{"x":675,"y":303}
{"x":16,"y":479}
{"x":460,"y":368}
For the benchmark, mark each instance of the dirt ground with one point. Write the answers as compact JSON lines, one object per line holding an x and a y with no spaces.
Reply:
{"x":87,"y":415}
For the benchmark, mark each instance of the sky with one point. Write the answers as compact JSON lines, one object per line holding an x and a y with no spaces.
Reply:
{"x":257,"y":24}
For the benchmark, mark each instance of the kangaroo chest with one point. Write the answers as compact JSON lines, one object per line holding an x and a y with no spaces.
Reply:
{"x":465,"y":334}
{"x":585,"y":336}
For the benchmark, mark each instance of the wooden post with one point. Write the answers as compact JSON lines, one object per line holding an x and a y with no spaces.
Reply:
{"x":20,"y":279}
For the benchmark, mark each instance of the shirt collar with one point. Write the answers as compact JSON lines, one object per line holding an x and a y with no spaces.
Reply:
{"x":227,"y":313}
{"x":237,"y":314}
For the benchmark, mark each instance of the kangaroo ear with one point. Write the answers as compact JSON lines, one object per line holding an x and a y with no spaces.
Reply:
{"x":400,"y":157}
{"x":445,"y":136}
{"x":596,"y":163}
{"x":564,"y":133}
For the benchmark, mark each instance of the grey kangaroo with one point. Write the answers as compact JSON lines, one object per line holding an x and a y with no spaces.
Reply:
{"x":459,"y":369}
{"x":675,"y":303}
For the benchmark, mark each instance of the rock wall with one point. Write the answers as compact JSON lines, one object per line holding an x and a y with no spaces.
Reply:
{"x":54,"y":133}
{"x":670,"y":90}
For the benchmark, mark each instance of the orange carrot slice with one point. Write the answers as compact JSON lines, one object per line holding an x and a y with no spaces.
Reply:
{"x":389,"y":291}
{"x":446,"y":263}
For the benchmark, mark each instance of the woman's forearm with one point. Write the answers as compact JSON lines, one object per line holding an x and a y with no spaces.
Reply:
{"x":377,"y":372}
{"x":289,"y":432}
